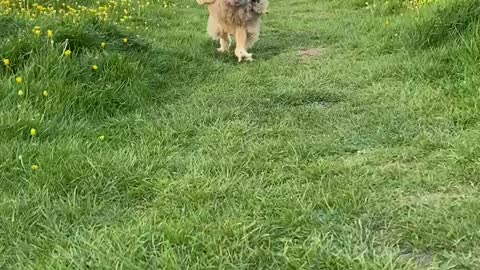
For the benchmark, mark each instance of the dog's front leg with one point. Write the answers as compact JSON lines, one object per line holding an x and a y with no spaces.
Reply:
{"x":241,"y":39}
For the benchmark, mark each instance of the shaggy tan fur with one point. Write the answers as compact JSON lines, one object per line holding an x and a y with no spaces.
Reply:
{"x":240,"y":18}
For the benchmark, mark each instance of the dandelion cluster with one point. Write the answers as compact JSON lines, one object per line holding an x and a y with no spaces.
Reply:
{"x":118,"y":11}
{"x":67,"y":53}
{"x":45,"y":39}
{"x":403,"y":4}
{"x":415,"y":4}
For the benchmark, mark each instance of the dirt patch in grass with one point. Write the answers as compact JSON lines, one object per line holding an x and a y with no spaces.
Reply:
{"x":311,"y":53}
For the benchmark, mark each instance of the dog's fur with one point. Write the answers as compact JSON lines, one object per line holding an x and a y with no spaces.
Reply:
{"x":241,"y":18}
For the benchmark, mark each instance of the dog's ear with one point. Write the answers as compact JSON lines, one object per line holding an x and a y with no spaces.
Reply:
{"x":266,"y":5}
{"x":260,"y":9}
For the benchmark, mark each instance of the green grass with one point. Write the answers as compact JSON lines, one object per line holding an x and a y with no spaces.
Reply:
{"x":172,"y":156}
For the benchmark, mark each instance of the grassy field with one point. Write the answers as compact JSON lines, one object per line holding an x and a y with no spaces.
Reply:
{"x":351,"y":142}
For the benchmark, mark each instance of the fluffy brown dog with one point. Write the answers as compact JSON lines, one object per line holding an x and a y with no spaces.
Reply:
{"x":241,"y":18}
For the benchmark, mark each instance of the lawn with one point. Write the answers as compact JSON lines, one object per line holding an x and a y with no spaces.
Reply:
{"x":351,"y":142}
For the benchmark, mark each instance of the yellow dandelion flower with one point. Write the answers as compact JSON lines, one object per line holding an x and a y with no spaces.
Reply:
{"x":103,"y":45}
{"x":35,"y":167}
{"x":19,"y":80}
{"x":45,"y":93}
{"x":20,"y":92}
{"x":41,"y":8}
{"x":125,"y":40}
{"x":94,"y":67}
{"x":33,"y":132}
{"x":50,"y":34}
{"x":67,"y":53}
{"x":37,"y":30}
{"x":6,"y":62}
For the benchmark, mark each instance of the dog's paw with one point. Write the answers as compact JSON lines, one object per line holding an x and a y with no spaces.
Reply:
{"x":243,"y":55}
{"x":248,"y":57}
{"x":222,"y":50}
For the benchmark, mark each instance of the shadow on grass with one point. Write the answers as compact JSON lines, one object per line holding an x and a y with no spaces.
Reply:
{"x":271,"y":44}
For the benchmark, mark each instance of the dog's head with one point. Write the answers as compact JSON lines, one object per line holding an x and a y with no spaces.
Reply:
{"x":260,"y":6}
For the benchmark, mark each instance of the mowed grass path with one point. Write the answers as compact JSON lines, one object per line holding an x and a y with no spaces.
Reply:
{"x":350,"y":159}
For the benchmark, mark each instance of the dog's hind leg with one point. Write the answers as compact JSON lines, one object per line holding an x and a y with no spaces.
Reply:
{"x":240,"y":50}
{"x":216,"y":32}
{"x":253,"y":33}
{"x":224,"y":42}
{"x":252,"y":38}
